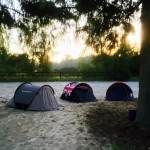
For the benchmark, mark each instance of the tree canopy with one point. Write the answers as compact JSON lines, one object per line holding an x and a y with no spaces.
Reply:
{"x":101,"y":17}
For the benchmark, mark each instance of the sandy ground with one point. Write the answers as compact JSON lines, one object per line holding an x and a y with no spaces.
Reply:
{"x":50,"y":130}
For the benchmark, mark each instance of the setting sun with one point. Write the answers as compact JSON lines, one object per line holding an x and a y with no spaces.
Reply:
{"x":66,"y":50}
{"x":134,"y":38}
{"x":69,"y":47}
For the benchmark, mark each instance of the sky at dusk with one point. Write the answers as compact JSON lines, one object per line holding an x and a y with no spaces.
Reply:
{"x":69,"y":46}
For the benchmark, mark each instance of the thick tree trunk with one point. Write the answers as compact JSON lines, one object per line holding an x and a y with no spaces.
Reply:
{"x":143,"y":111}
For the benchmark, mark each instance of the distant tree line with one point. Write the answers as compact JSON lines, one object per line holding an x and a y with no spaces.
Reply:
{"x":122,"y":65}
{"x":20,"y":63}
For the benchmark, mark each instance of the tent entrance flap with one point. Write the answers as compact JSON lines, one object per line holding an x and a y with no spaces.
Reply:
{"x":119,"y":91}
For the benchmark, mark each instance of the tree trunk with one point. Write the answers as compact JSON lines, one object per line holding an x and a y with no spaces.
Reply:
{"x":143,"y":110}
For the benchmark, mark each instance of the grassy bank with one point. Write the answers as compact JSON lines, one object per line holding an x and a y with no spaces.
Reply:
{"x":68,"y":78}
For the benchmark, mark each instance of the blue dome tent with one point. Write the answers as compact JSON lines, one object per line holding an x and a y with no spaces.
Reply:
{"x":119,"y":91}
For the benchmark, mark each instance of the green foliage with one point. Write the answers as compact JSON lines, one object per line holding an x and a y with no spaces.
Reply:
{"x":6,"y":18}
{"x":121,"y":66}
{"x":19,"y":63}
{"x":103,"y":17}
{"x":135,"y":64}
{"x":44,"y":11}
{"x":15,"y":63}
{"x":67,"y":69}
{"x":99,"y":62}
{"x":45,"y":64}
{"x":85,"y":67}
{"x":121,"y":63}
{"x":3,"y":59}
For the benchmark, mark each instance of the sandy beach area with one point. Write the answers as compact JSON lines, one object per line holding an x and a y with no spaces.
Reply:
{"x":48,"y":130}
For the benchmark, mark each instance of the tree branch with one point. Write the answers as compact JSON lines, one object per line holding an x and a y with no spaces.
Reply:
{"x":11,"y":9}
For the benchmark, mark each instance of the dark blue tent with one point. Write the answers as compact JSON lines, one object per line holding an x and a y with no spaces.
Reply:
{"x":31,"y":97}
{"x":119,"y":91}
{"x":78,"y":92}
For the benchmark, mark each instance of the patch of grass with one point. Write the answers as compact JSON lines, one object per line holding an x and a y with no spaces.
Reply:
{"x":54,"y":78}
{"x":110,"y":120}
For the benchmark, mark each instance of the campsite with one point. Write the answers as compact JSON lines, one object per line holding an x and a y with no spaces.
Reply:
{"x":61,"y":129}
{"x":106,"y":48}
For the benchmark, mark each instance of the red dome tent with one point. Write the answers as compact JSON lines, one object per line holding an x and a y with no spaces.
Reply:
{"x":78,"y":92}
{"x":119,"y":91}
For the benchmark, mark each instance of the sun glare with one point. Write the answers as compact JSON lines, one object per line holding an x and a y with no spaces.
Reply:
{"x":64,"y":52}
{"x":135,"y":38}
{"x":69,"y":47}
{"x":14,"y":46}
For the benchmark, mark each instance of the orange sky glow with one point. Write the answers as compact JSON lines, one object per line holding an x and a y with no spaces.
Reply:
{"x":70,"y":47}
{"x":135,"y":38}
